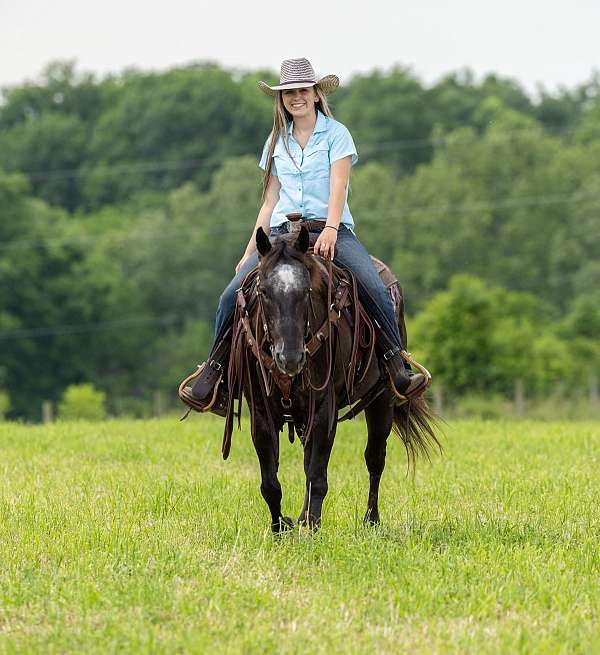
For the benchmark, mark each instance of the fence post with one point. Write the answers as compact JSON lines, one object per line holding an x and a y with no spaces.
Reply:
{"x":593,"y":392}
{"x":47,"y":412}
{"x":519,"y":397}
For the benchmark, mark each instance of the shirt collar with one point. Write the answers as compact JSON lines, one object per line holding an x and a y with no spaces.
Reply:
{"x":320,"y":125}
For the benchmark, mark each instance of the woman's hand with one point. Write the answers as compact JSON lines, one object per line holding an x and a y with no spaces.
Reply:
{"x":325,"y":244}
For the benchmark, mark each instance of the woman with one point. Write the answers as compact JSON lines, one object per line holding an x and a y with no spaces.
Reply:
{"x":306,"y":161}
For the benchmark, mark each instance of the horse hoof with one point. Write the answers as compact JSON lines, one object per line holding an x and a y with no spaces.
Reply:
{"x":371,"y":518}
{"x":309,"y":522}
{"x":285,"y":523}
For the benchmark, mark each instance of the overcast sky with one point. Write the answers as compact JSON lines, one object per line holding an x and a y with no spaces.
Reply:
{"x":549,"y":41}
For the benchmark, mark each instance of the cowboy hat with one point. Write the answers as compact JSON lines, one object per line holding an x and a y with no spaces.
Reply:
{"x":299,"y":74}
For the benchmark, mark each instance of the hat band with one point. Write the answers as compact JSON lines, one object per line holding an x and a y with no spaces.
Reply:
{"x":298,"y":82}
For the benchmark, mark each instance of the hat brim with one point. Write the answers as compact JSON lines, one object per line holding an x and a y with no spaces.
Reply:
{"x":327,"y":84}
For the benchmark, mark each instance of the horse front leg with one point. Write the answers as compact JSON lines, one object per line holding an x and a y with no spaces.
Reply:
{"x":379,"y":415}
{"x":270,"y":488}
{"x":316,"y":458}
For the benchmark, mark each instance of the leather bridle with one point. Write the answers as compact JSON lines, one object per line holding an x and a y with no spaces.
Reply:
{"x":339,"y":300}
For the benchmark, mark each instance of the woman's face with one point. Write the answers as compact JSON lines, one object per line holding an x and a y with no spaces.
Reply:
{"x":300,"y":102}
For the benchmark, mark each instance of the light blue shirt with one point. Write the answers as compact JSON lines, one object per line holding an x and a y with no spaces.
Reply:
{"x":305,"y":178}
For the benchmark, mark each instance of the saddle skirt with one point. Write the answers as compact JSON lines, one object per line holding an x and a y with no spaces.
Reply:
{"x":390,"y":281}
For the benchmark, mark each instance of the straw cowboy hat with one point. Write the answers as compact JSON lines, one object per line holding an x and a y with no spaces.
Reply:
{"x":299,"y":74}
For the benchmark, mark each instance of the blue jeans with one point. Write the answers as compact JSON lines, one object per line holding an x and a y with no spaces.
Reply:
{"x":349,"y":253}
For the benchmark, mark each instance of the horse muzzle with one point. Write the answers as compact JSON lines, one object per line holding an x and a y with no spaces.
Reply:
{"x":290,"y":362}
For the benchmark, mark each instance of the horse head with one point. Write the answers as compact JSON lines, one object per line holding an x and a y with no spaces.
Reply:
{"x":284,"y":285}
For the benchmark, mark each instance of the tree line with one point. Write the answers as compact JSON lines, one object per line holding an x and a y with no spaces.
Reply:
{"x":125,"y":203}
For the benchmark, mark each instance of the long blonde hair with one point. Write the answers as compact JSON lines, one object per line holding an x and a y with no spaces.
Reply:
{"x":281,"y":121}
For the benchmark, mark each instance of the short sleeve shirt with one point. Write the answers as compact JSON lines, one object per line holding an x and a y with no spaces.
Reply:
{"x":304,"y":176}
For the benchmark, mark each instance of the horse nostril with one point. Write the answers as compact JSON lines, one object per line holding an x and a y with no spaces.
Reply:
{"x":291,"y":362}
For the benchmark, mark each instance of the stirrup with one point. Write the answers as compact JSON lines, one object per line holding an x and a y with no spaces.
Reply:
{"x":418,"y":390}
{"x":185,"y":393}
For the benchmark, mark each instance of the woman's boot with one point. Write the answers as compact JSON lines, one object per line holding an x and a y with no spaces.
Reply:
{"x":405,"y":384}
{"x":208,"y":392}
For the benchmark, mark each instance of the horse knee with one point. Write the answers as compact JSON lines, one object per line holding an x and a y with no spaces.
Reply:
{"x":271,"y":491}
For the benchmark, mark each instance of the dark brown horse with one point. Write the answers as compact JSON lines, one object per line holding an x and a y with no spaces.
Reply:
{"x":298,"y":358}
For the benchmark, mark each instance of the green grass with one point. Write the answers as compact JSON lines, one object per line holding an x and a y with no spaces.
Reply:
{"x":131,"y":536}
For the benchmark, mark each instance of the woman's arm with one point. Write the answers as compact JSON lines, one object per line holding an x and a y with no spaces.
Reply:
{"x":338,"y":182}
{"x":264,"y":217}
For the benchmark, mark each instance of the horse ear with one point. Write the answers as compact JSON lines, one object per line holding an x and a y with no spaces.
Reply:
{"x":263,"y":245}
{"x":302,"y":242}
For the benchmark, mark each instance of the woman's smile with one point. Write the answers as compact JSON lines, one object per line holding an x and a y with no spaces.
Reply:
{"x":297,"y":105}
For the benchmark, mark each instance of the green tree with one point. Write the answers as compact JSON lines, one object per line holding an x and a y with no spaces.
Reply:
{"x":48,"y":149}
{"x":165,"y":129}
{"x":59,"y":90}
{"x":477,"y":338}
{"x":454,"y":101}
{"x":388,"y":117}
{"x":44,"y":130}
{"x":455,"y":334}
{"x":66,"y":306}
{"x":186,"y":255}
{"x":500,"y":206}
{"x":82,"y":402}
{"x":371,"y":198}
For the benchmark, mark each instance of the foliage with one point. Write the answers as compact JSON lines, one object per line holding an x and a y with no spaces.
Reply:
{"x":478,"y":338}
{"x":87,"y":142}
{"x":82,"y":402}
{"x":118,"y":234}
{"x":485,"y":407}
{"x":4,"y":404}
{"x":67,"y":308}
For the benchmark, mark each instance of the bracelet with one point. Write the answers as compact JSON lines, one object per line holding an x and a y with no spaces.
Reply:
{"x":331,"y":226}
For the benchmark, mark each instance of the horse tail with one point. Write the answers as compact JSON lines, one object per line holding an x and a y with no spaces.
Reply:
{"x":415,"y":423}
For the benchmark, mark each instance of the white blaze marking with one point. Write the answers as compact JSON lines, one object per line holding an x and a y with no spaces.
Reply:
{"x":287,"y":278}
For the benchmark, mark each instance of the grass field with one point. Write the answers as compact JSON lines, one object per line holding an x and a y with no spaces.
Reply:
{"x":131,"y":536}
